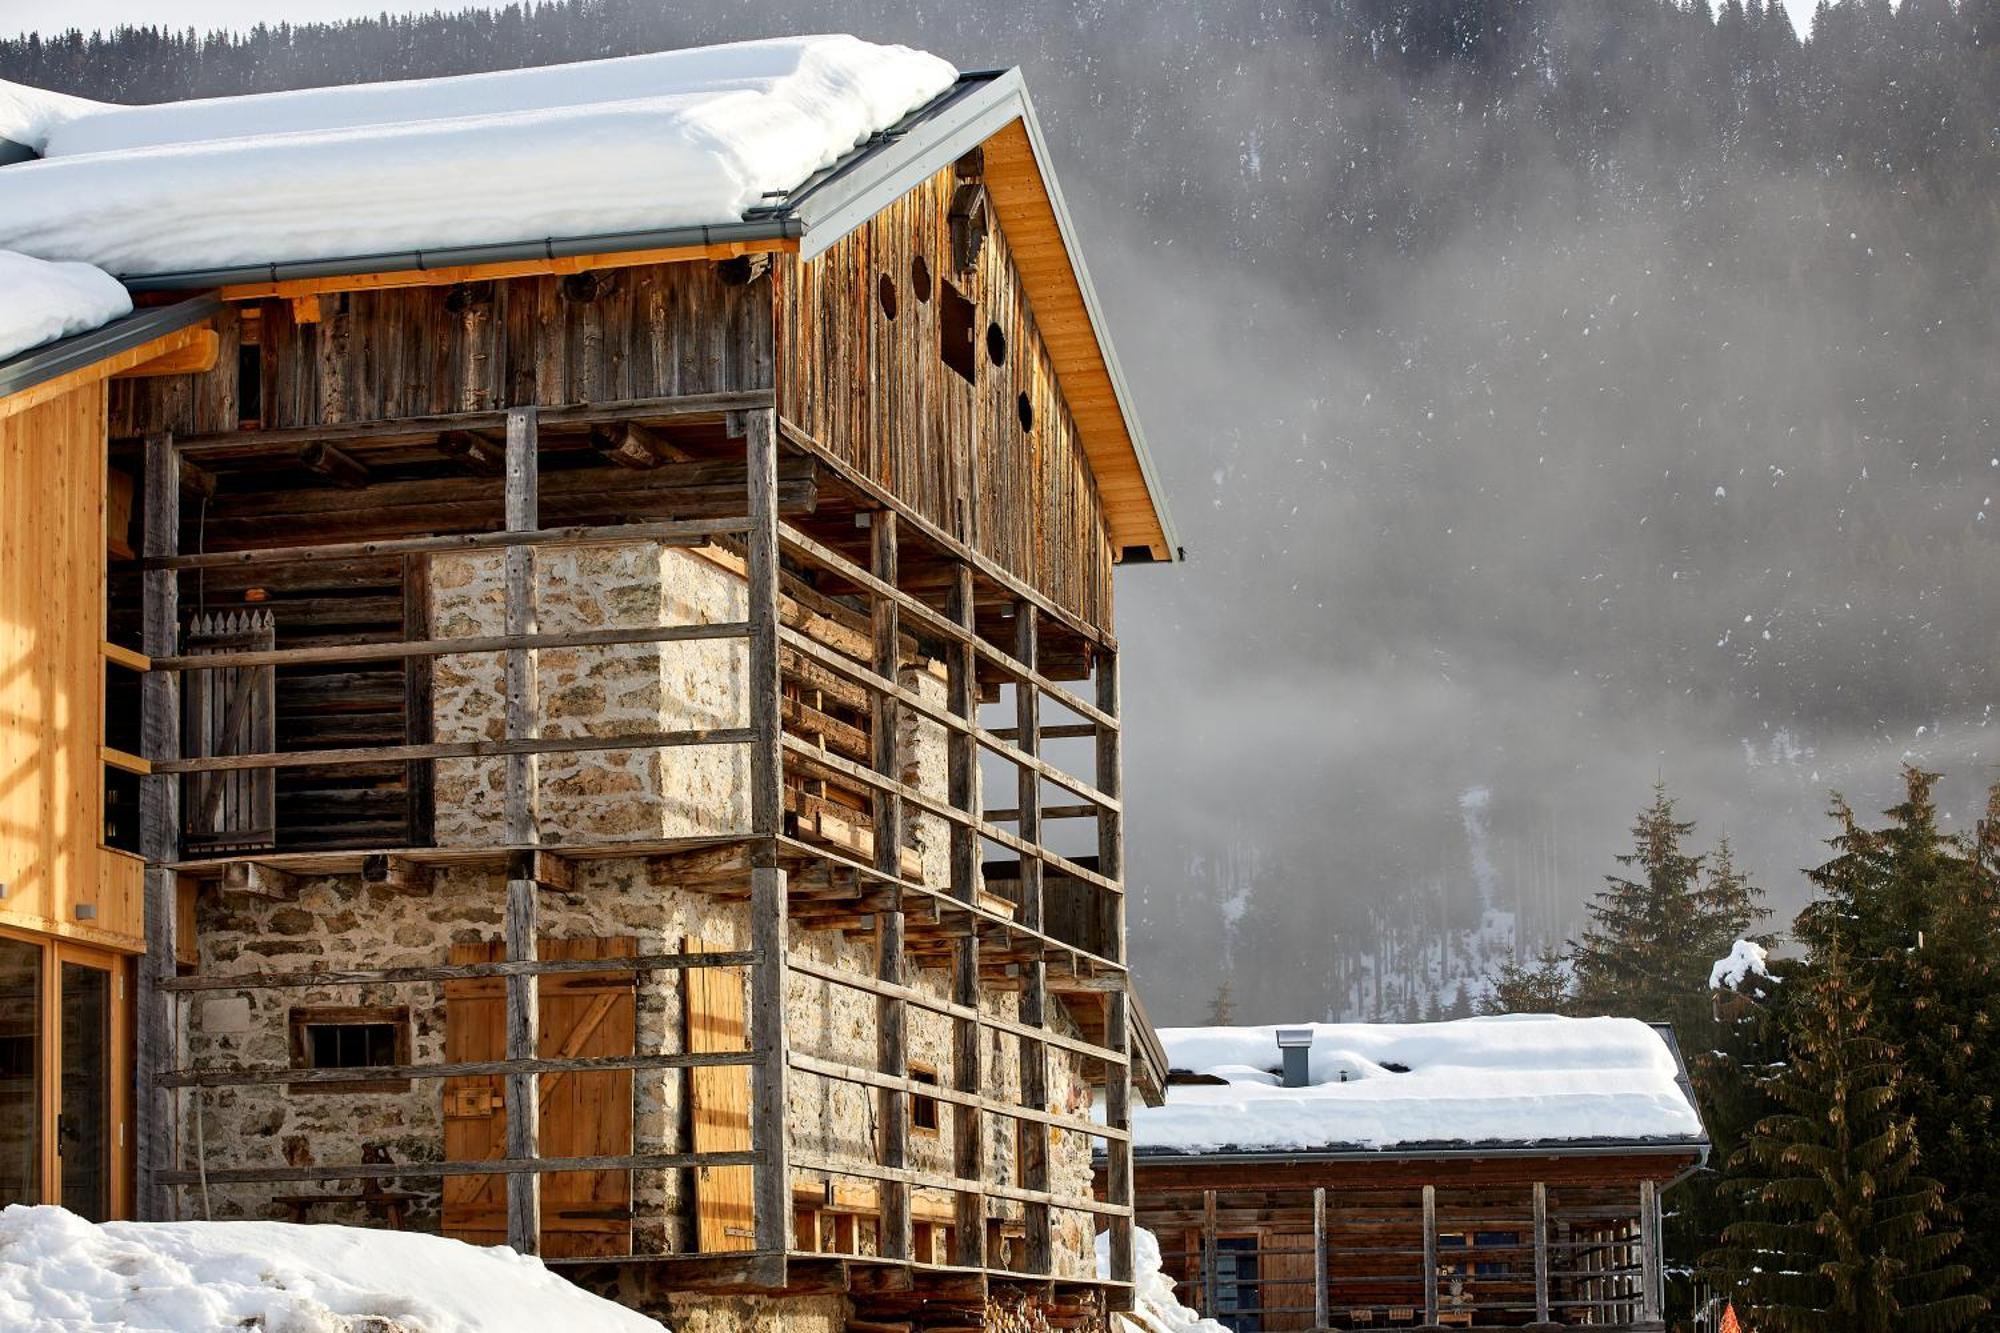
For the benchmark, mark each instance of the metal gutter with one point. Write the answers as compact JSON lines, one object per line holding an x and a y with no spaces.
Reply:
{"x":38,"y":365}
{"x":549,"y":247}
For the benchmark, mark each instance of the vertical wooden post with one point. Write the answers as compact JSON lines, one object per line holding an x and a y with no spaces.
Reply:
{"x":969,"y":1122}
{"x":1034,"y":1136}
{"x":523,"y":800}
{"x":769,"y":909}
{"x":1208,"y":1253}
{"x":1541,"y":1253}
{"x":1430,"y":1254}
{"x":159,"y":833}
{"x":1117,"y":1004}
{"x":1649,"y":1251}
{"x":1321,"y":1304}
{"x":891,"y":1015}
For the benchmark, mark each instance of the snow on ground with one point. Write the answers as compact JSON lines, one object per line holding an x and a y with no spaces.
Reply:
{"x":1156,"y":1308}
{"x":1746,"y":959}
{"x":667,"y":139}
{"x":41,"y":302}
{"x":59,"y":1273}
{"x":1512,"y":1079}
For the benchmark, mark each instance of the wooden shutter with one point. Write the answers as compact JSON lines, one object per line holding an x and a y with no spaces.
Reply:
{"x":585,"y":1214}
{"x":720,"y":1102}
{"x":232,"y":711}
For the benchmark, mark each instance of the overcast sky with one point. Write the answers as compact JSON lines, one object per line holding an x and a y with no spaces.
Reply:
{"x":18,"y":16}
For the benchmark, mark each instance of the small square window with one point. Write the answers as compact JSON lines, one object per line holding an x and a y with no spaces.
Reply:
{"x":351,"y":1038}
{"x":923,"y":1110}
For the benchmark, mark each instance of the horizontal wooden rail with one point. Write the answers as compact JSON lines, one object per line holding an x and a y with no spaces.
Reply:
{"x":499,"y":1166}
{"x":917,"y":998}
{"x":927,"y":1180}
{"x":1008,"y":814}
{"x":390,"y":976}
{"x":868,"y":777}
{"x":550,"y":419}
{"x":680,"y":532}
{"x":323,"y":654}
{"x":925,"y":897}
{"x":865,"y":677}
{"x":939,"y":623}
{"x":244,"y":1076}
{"x":123,"y":760}
{"x":396,"y":754}
{"x":833,"y":1069}
{"x":1017,"y":588}
{"x":119,"y":655}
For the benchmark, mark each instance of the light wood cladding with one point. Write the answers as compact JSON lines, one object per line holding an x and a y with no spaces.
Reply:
{"x":59,"y":880}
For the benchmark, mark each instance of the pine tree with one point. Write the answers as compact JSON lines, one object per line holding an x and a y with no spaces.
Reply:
{"x":1653,"y":938}
{"x":1920,"y":912}
{"x":1844,"y":1236}
{"x":1540,"y":988}
{"x":1222,"y":1006}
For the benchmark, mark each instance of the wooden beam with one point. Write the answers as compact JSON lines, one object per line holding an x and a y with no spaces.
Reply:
{"x":618,"y":445}
{"x":293,"y":288}
{"x":969,"y":1125}
{"x":1208,"y":1253}
{"x":1033,"y":1002}
{"x":891,"y":1036}
{"x":523,"y":800}
{"x":333,"y":463}
{"x":1320,"y":1303}
{"x":769,"y":906}
{"x":1649,"y":1251}
{"x":479,"y":455}
{"x":260,"y":880}
{"x":1110,"y":776}
{"x":159,"y":836}
{"x":194,"y":357}
{"x":1430,"y":1255}
{"x":1541,"y":1253}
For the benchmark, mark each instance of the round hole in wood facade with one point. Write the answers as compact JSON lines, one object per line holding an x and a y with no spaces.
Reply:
{"x":920,"y":278}
{"x":1025,"y":409}
{"x":886,"y":292}
{"x":996,"y":345}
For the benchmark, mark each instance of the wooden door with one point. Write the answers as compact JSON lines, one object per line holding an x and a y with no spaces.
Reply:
{"x":584,"y":1213}
{"x":719,"y":1098}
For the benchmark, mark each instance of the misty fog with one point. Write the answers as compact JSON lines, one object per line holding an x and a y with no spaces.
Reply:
{"x":1579,"y":397}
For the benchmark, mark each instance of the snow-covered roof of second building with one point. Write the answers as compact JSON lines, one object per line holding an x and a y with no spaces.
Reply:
{"x":677,"y":138}
{"x":1511,"y":1080}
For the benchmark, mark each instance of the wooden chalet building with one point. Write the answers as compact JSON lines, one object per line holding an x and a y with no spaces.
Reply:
{"x":1484,"y":1173}
{"x":571,"y":674}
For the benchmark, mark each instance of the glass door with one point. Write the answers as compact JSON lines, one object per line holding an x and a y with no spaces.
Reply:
{"x":20,"y":1071}
{"x":85,"y":1115}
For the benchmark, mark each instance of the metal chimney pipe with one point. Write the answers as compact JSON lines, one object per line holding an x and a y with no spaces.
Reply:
{"x":1295,"y":1045}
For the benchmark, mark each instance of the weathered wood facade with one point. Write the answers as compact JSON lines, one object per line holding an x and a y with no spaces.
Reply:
{"x":405,"y":555}
{"x":1470,"y":1239}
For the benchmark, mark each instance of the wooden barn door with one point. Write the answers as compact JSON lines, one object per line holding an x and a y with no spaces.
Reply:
{"x":720,"y":1104}
{"x":584,"y":1213}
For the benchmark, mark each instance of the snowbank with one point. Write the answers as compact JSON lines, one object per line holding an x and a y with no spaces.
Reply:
{"x":668,"y":139}
{"x":1510,"y":1079}
{"x":41,"y":302}
{"x":59,"y":1272}
{"x":1746,"y":959}
{"x":1156,"y":1308}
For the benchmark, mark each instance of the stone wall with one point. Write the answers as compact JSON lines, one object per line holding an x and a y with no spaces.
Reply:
{"x":637,"y":795}
{"x":621,"y":689}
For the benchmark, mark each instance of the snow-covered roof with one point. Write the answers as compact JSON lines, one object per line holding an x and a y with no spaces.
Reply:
{"x":59,"y":1272}
{"x":41,"y":302}
{"x":671,"y":139}
{"x":1505,"y":1081}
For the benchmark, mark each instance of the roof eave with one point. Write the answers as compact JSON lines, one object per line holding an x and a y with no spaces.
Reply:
{"x":50,"y":361}
{"x":1695,"y":1148}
